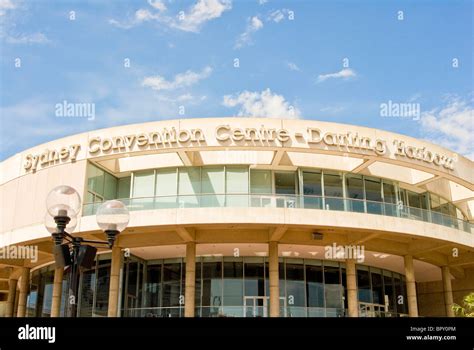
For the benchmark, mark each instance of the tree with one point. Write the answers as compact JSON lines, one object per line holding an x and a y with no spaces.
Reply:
{"x":467,"y":310}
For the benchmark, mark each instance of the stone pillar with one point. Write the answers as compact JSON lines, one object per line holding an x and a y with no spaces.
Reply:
{"x":24,"y":288}
{"x":351,"y":282}
{"x":274,"y":279}
{"x":190,"y":289}
{"x":114,"y":286}
{"x":11,"y":297}
{"x":57,"y":292}
{"x":448,"y":291}
{"x":411,"y":286}
{"x":17,"y":297}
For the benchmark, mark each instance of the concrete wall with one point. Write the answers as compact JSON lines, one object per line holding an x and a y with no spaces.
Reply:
{"x":431,"y":298}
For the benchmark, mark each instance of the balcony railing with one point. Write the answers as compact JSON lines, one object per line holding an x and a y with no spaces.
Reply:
{"x":288,"y":201}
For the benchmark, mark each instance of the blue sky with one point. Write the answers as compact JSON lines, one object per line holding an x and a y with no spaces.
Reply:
{"x":182,"y":60}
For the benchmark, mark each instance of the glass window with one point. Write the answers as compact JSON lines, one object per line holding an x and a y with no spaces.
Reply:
{"x":261,"y":181}
{"x":390,"y":198}
{"x":333,"y":191}
{"x":123,"y":186}
{"x":414,"y":199}
{"x":233,"y":283}
{"x":373,"y":194}
{"x":33,"y":295}
{"x":333,"y":289}
{"x":102,"y":291}
{"x":95,"y":179}
{"x":110,"y":186}
{"x":189,"y":187}
{"x":434,"y":202}
{"x":312,"y":190}
{"x":285,"y":183}
{"x":144,"y":184}
{"x":295,"y":286}
{"x":213,"y":187}
{"x":166,"y":182}
{"x":47,"y":284}
{"x":254,"y":279}
{"x":212,"y":283}
{"x":152,"y":297}
{"x":171,"y":288}
{"x":166,"y":188}
{"x":237,"y":186}
{"x":363,"y":284}
{"x":86,"y":298}
{"x":314,"y":285}
{"x":355,"y":192}
{"x":399,"y":294}
{"x":389,"y":291}
{"x":377,"y":286}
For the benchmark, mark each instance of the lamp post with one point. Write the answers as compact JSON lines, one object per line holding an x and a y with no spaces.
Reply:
{"x":63,"y":204}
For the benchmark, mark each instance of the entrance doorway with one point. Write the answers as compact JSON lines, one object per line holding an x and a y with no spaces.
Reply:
{"x":260,"y":307}
{"x":256,"y":306}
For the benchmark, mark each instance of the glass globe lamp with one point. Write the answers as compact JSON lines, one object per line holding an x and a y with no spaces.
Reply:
{"x":112,"y":217}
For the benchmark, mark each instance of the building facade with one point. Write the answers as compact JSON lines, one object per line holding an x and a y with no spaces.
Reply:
{"x":240,"y":217}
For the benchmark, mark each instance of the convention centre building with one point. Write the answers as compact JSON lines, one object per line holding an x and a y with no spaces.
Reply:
{"x":244,"y":217}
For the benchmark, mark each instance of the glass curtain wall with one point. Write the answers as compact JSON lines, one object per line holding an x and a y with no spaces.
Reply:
{"x":381,"y":293}
{"x":225,"y":287}
{"x":103,"y":186}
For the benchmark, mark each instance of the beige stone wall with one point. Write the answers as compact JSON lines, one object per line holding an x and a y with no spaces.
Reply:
{"x":431,"y":298}
{"x":3,"y":308}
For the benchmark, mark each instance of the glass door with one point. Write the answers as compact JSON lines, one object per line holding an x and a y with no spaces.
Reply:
{"x":256,"y":306}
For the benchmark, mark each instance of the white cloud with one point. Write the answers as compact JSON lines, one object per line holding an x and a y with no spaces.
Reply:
{"x":293,"y":66}
{"x":189,"y":21}
{"x":262,"y":2}
{"x":157,"y":4}
{"x":451,"y":126}
{"x":345,"y":73}
{"x":254,"y":24}
{"x":200,"y":13}
{"x":262,"y":104}
{"x":187,"y":78}
{"x":6,"y":5}
{"x":277,"y":16}
{"x":35,"y":38}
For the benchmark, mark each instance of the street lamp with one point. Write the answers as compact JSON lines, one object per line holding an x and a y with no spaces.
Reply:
{"x":112,"y":217}
{"x":63,"y":205}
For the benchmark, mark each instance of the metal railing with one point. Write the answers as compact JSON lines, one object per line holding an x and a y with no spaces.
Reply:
{"x":251,"y":311}
{"x":288,"y":201}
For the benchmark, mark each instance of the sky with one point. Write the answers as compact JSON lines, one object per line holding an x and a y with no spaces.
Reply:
{"x":137,"y":61}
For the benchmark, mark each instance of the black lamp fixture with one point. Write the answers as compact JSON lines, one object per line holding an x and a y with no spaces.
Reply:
{"x":63,"y":205}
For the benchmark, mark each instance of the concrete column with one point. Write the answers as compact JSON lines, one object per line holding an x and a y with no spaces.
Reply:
{"x":190,"y":289}
{"x":351,"y":282}
{"x":411,"y":286}
{"x":114,"y":286}
{"x":274,"y":279}
{"x":24,"y":289}
{"x":17,"y":297}
{"x":11,"y":297}
{"x":448,"y":291}
{"x":57,"y":292}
